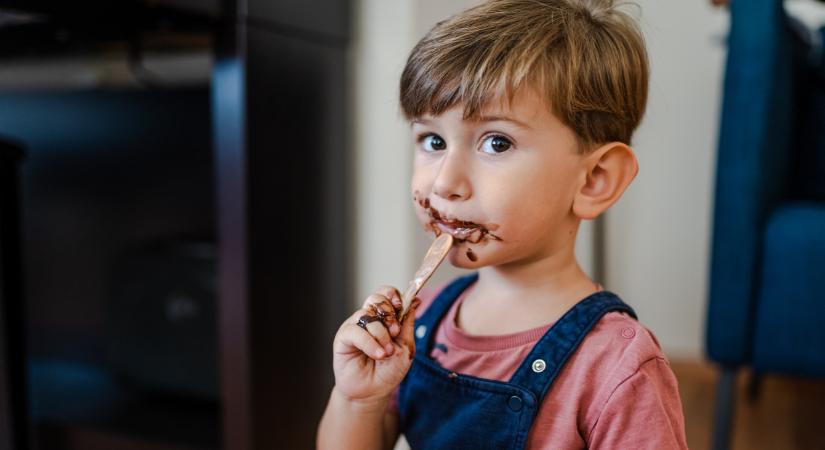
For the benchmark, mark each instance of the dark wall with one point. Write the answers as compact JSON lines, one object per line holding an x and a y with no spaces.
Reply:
{"x":107,"y":173}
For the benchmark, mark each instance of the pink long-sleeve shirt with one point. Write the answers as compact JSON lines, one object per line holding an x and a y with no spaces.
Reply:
{"x":616,"y":391}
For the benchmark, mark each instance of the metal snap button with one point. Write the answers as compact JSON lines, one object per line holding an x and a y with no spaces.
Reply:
{"x":539,"y":365}
{"x":420,"y":331}
{"x":515,"y":403}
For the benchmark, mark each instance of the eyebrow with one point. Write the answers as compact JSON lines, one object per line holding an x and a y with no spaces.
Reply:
{"x":518,"y":123}
{"x":504,"y":119}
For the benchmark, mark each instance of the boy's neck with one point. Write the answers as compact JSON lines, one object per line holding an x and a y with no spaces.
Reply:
{"x":556,"y":275}
{"x":514,"y":298}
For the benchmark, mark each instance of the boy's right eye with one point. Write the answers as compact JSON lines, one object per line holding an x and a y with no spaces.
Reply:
{"x":433,"y":143}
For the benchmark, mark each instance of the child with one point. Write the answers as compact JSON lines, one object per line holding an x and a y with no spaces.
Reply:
{"x":522,"y":112}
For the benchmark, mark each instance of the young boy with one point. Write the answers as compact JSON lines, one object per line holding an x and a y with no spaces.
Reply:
{"x":522,"y":112}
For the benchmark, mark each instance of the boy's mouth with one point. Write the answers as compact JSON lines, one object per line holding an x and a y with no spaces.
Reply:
{"x":461,"y":230}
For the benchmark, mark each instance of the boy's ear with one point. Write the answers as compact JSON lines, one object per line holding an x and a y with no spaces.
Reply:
{"x":608,"y":171}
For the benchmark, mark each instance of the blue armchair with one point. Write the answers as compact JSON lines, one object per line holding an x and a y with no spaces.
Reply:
{"x":766,"y":305}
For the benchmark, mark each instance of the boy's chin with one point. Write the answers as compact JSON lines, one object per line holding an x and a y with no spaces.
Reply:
{"x":463,"y":258}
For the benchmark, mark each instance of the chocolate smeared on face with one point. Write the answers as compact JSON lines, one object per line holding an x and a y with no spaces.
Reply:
{"x":471,"y":256}
{"x":464,"y":231}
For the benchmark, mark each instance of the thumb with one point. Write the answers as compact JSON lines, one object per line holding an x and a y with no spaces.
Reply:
{"x":406,"y":337}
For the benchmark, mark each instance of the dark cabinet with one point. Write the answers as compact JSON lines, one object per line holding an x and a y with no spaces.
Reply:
{"x":13,"y":405}
{"x":185,"y":249}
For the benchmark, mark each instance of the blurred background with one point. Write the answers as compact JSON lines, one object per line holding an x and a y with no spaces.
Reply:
{"x":195,"y":193}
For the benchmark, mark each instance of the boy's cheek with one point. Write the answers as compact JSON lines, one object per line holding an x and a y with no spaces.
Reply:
{"x":423,"y":176}
{"x":418,"y":199}
{"x":421,"y":213}
{"x":423,"y":219}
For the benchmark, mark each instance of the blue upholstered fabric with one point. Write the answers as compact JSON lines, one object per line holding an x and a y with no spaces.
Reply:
{"x":766,"y":308}
{"x":752,"y":168}
{"x":790,"y":318}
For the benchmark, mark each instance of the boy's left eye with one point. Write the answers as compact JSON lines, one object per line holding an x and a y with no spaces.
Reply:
{"x":496,"y":144}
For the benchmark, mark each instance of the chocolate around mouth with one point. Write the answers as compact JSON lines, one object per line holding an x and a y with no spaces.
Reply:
{"x":464,"y":231}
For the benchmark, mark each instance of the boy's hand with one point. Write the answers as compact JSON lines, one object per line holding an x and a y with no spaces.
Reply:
{"x":370,"y":361}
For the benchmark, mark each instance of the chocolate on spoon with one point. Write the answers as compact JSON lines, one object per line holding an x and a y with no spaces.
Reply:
{"x":435,"y":256}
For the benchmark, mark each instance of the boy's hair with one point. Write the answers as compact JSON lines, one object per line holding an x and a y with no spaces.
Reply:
{"x":586,"y":56}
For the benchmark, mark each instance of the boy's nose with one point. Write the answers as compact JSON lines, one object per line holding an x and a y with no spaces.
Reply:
{"x":451,"y":182}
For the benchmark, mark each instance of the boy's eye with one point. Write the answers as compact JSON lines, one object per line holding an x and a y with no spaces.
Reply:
{"x":496,"y":144}
{"x":433,"y":142}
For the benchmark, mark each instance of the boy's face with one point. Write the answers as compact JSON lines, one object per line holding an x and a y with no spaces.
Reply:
{"x":503,"y":184}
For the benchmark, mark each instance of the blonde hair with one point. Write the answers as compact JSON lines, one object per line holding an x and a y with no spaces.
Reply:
{"x":586,"y":56}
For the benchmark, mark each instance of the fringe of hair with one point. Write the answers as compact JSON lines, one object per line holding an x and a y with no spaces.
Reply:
{"x":587,"y":57}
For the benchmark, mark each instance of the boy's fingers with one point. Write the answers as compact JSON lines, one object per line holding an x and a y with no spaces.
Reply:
{"x":352,"y":336}
{"x":407,"y":335}
{"x":374,"y":299}
{"x":380,"y":333}
{"x":380,"y":306}
{"x":393,"y":295}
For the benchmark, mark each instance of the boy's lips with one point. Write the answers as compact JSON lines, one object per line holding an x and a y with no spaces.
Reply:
{"x":463,"y":233}
{"x":451,"y":228}
{"x":461,"y":230}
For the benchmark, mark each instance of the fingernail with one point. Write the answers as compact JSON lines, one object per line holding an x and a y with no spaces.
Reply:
{"x":395,"y":328}
{"x":389,"y":349}
{"x":380,"y":353}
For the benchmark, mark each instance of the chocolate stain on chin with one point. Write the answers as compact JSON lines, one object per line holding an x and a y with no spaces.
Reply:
{"x":471,"y":256}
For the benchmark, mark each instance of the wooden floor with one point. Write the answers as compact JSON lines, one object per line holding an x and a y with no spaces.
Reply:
{"x":789,"y":413}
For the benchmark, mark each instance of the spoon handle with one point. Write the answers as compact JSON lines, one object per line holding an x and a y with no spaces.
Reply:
{"x":435,"y":256}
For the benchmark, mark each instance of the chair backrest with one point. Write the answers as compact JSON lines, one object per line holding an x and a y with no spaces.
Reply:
{"x":752,"y":167}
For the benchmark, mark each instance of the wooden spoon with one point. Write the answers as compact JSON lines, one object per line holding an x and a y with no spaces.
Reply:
{"x":435,"y":256}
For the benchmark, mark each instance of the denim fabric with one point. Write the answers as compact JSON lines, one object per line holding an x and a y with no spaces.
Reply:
{"x":441,"y":409}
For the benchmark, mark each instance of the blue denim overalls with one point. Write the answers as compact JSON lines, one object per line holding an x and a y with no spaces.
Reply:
{"x":444,"y":410}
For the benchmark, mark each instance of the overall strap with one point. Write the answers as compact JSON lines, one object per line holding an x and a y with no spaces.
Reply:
{"x":541,"y":367}
{"x":427,"y":323}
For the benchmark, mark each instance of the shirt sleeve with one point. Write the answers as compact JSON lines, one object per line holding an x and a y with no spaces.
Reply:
{"x":643,"y":412}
